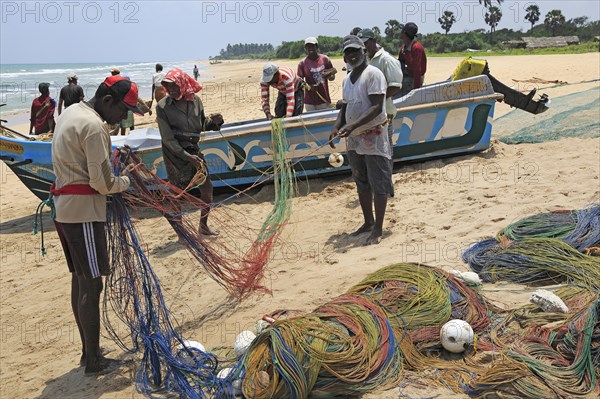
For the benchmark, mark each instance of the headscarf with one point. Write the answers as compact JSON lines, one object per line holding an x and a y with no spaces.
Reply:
{"x":187,"y":85}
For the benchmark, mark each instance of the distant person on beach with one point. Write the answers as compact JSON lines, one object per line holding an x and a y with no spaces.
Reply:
{"x":392,"y":71}
{"x":181,"y":121}
{"x":42,"y":111}
{"x":115,"y":71}
{"x":412,"y":59}
{"x":70,"y":94}
{"x":290,"y":99}
{"x":196,"y":73}
{"x":316,"y":70}
{"x":81,"y":153}
{"x":362,"y":120}
{"x":129,"y":122}
{"x":158,"y":91}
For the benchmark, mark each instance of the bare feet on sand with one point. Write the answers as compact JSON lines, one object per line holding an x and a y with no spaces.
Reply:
{"x":365,"y":228}
{"x":375,"y":237}
{"x":104,"y":365}
{"x":209,"y":231}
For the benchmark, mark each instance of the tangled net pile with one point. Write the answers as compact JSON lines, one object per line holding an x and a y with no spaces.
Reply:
{"x":390,"y":322}
{"x":544,"y":248}
{"x":133,"y":291}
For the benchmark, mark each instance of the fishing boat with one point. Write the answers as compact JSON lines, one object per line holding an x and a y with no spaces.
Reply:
{"x":439,"y":120}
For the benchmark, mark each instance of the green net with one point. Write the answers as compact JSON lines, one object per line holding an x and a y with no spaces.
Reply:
{"x":573,"y":115}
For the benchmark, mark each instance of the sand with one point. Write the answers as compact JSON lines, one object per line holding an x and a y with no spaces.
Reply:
{"x":440,"y":208}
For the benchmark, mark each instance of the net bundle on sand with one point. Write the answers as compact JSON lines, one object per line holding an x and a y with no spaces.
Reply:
{"x":390,"y":322}
{"x":544,"y":248}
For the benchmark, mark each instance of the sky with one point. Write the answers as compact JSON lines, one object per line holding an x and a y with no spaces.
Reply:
{"x":72,"y":31}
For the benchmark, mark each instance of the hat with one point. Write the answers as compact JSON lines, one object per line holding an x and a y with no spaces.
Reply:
{"x":71,"y":76}
{"x":311,"y":40}
{"x":366,"y":34}
{"x":355,"y":30}
{"x":43,"y":85}
{"x":352,"y":41}
{"x":411,"y":29}
{"x":269,"y":70}
{"x":123,"y":90}
{"x":115,"y":71}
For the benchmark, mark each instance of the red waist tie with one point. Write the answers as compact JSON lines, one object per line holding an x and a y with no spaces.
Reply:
{"x":73,"y":189}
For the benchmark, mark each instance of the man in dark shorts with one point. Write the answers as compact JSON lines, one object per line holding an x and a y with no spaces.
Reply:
{"x":81,"y":152}
{"x":181,"y":120}
{"x":70,"y":94}
{"x":363,"y":121}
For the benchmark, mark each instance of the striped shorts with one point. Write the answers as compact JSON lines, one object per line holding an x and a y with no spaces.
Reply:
{"x":84,"y":245}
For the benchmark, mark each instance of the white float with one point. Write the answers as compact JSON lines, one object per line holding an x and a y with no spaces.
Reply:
{"x":242,"y":342}
{"x":456,"y":336}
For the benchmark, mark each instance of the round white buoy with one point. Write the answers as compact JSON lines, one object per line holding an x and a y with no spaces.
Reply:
{"x":242,"y":342}
{"x":456,"y":336}
{"x":336,"y":159}
{"x":235,"y":384}
{"x":184,"y":355}
{"x":261,"y":325}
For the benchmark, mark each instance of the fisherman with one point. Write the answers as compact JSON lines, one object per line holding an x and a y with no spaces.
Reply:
{"x":362,"y":120}
{"x":316,"y":70}
{"x":42,"y":111}
{"x":81,"y":153}
{"x":70,"y":94}
{"x":290,"y":99}
{"x":158,"y":91}
{"x":392,"y":71}
{"x":181,"y":121}
{"x":196,"y":73}
{"x":412,"y":58}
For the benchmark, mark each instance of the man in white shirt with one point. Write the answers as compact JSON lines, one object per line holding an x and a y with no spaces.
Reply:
{"x":392,"y":71}
{"x":363,"y":121}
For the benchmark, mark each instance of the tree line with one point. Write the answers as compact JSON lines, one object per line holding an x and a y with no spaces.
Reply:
{"x":553,"y":24}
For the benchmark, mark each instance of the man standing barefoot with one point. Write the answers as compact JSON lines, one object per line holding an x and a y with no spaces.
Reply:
{"x":363,"y":121}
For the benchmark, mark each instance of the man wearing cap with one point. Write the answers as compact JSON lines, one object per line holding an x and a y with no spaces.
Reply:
{"x":81,"y":151}
{"x":412,"y":58}
{"x":363,"y":121}
{"x":42,"y":111}
{"x":70,"y":94}
{"x":392,"y":71}
{"x":115,"y":71}
{"x":316,"y":69}
{"x":290,"y":99}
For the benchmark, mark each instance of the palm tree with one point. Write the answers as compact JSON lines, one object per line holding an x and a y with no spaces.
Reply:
{"x":447,"y":20}
{"x":487,"y":3}
{"x":392,"y":29}
{"x":376,"y":30}
{"x":533,"y":14}
{"x":554,"y":20}
{"x":492,"y":17}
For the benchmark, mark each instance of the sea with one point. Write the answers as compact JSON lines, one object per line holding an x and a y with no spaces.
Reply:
{"x":19,"y":82}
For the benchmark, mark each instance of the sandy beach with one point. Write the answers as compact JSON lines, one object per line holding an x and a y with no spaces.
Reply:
{"x":440,"y":207}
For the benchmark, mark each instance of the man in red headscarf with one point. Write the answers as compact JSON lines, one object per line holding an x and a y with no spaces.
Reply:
{"x":42,"y":111}
{"x":181,"y":119}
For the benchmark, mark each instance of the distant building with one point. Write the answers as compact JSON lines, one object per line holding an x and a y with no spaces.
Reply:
{"x":546,"y":42}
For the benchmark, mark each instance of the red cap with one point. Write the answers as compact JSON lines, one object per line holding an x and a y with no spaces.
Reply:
{"x":123,"y":89}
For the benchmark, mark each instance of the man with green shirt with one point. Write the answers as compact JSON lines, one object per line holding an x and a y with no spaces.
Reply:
{"x":392,"y":71}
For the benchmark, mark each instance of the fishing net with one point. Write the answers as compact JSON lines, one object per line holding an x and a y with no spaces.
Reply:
{"x":573,"y":115}
{"x":133,"y":292}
